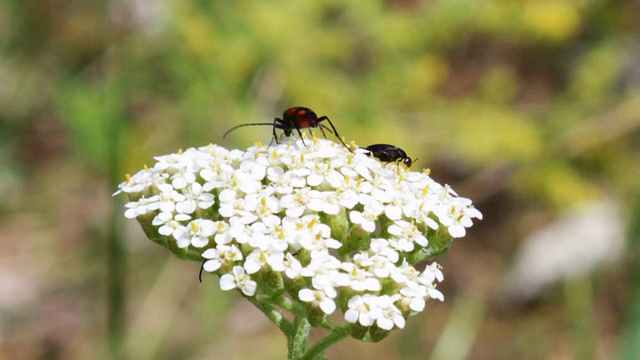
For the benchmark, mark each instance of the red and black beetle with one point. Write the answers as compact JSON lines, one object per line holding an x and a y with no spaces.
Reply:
{"x":296,"y":118}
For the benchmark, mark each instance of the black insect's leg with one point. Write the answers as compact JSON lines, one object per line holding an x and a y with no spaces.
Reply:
{"x":300,"y":134}
{"x":277,"y":124}
{"x":334,"y":130}
{"x":201,"y":268}
{"x":326,"y":128}
{"x":321,"y":130}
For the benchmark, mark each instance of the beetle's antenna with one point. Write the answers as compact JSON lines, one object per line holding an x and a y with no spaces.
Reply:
{"x":241,"y":125}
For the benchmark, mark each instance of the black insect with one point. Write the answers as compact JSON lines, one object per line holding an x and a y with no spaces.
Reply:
{"x":389,"y":153}
{"x":296,"y":118}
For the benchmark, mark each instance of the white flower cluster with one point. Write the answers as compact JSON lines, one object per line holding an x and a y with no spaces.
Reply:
{"x":336,"y":227}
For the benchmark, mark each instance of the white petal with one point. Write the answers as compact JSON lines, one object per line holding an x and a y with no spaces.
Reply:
{"x":252,"y":266}
{"x":199,"y":241}
{"x":435,"y":294}
{"x":355,"y":217}
{"x":227,"y":282}
{"x":351,"y":316}
{"x":368,"y":226}
{"x":457,"y":231}
{"x":365,"y":319}
{"x":393,"y":212}
{"x":294,"y":212}
{"x":315,"y":179}
{"x":328,"y":306}
{"x":249,"y":288}
{"x":306,"y":295}
{"x":210,"y":254}
{"x":399,"y":321}
{"x":384,"y":323}
{"x":335,"y":179}
{"x":417,"y":304}
{"x":212,"y":265}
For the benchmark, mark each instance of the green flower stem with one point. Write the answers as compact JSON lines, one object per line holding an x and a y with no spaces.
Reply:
{"x":275,"y":316}
{"x":290,"y":305}
{"x":299,"y":339}
{"x":333,"y":327}
{"x":317,"y":350}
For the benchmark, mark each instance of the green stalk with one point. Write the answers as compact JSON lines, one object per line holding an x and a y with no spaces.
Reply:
{"x":299,"y":340}
{"x":275,"y":316}
{"x":318,"y":349}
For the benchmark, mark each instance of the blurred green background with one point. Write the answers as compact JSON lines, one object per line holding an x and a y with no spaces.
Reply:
{"x":530,"y":108}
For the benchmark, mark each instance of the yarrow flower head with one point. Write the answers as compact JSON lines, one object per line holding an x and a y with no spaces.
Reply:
{"x":307,"y":226}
